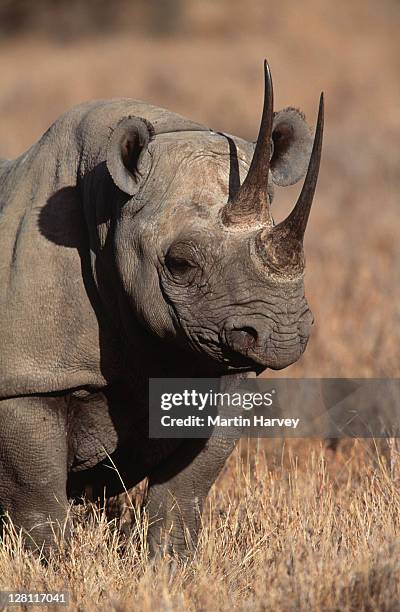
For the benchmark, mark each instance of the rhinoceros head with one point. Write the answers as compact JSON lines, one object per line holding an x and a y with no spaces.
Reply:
{"x":199,"y":257}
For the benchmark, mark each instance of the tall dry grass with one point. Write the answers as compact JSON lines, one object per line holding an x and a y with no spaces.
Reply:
{"x":283,"y":530}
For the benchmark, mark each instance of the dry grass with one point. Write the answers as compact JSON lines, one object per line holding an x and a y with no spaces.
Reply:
{"x":289,"y":530}
{"x":280,"y":532}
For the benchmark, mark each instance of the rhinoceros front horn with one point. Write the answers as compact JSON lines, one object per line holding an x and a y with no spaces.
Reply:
{"x":251,"y":204}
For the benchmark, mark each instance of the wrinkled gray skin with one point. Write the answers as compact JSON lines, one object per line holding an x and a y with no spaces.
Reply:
{"x":115,"y":266}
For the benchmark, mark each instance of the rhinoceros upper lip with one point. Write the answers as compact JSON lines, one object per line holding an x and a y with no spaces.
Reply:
{"x":238,"y":361}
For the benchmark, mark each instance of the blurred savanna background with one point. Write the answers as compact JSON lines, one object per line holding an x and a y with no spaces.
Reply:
{"x":288,"y":526}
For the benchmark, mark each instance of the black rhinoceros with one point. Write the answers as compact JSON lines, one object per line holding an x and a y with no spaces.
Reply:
{"x":137,"y":243}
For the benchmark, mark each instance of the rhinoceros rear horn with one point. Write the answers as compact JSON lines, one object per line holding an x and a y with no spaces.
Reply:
{"x":296,"y":222}
{"x":126,"y":146}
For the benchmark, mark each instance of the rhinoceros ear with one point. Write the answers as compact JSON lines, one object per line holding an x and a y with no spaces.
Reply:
{"x":125,"y":152}
{"x":292,"y":147}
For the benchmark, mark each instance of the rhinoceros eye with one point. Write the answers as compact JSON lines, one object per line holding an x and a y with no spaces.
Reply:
{"x":179,"y":261}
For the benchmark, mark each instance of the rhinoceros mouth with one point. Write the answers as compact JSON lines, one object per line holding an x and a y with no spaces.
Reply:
{"x":242,"y":351}
{"x":241,"y":363}
{"x":225,"y":359}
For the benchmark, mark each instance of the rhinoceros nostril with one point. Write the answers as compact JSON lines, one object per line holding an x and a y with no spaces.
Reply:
{"x":243,"y":339}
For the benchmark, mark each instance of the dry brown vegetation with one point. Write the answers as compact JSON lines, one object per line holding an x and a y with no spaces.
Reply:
{"x":284,"y":530}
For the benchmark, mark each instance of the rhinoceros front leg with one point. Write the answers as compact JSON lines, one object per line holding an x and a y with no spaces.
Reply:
{"x":178,"y":488}
{"x":33,"y":466}
{"x":177,"y":492}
